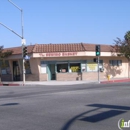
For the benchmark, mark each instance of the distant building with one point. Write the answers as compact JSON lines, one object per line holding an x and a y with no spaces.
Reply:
{"x":63,"y":62}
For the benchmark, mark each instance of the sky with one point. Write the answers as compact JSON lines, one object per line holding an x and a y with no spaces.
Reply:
{"x":64,"y":21}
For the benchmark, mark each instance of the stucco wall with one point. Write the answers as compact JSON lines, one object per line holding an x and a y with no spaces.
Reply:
{"x":34,"y":64}
{"x":43,"y":77}
{"x":89,"y":76}
{"x":115,"y":71}
{"x":30,"y":77}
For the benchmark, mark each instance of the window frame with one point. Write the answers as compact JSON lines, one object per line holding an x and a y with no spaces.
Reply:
{"x":6,"y":68}
{"x":75,"y":63}
{"x":115,"y":62}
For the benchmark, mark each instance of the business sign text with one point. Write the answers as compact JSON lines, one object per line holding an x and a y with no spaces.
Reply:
{"x":58,"y":54}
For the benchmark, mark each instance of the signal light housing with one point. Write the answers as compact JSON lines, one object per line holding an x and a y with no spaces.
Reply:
{"x":97,"y":49}
{"x":25,"y":51}
{"x":95,"y":60}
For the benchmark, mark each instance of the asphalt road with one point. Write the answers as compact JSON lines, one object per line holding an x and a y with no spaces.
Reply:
{"x":74,"y":107}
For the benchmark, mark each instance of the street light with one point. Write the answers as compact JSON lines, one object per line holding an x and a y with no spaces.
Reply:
{"x":22,"y":37}
{"x":21,"y":15}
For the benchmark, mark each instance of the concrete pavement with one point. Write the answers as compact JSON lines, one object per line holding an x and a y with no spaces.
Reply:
{"x":75,"y":107}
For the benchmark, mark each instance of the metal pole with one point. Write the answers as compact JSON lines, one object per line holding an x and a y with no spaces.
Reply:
{"x":10,"y":30}
{"x":98,"y":71}
{"x":22,"y":47}
{"x":21,"y":39}
{"x":23,"y":68}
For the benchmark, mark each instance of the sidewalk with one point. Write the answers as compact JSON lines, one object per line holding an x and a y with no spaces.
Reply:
{"x":32,"y":83}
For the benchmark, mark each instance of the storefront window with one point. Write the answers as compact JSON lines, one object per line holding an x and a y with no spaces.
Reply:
{"x":43,"y":68}
{"x":115,"y":62}
{"x":75,"y":67}
{"x":62,"y":68}
{"x":4,"y":65}
{"x":27,"y":67}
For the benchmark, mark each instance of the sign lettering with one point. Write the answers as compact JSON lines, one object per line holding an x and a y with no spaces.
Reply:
{"x":59,"y":54}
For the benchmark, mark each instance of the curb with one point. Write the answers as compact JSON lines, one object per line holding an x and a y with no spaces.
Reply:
{"x":115,"y":81}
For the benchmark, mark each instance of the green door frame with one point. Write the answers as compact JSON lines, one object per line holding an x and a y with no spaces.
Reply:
{"x":49,"y":71}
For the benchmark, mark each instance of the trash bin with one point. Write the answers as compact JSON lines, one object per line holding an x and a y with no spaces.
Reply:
{"x":108,"y":77}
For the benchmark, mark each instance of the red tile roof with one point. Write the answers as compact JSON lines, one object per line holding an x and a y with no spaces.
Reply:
{"x":18,"y":50}
{"x":104,"y":48}
{"x":40,"y":48}
{"x":47,"y":48}
{"x":58,"y":48}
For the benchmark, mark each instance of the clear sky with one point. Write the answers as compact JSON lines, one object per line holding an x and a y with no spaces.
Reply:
{"x":64,"y":21}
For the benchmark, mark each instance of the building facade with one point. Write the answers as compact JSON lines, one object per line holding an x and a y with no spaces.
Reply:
{"x":64,"y":62}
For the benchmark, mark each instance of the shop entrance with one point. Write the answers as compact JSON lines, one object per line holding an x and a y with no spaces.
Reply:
{"x":51,"y":72}
{"x":16,"y":71}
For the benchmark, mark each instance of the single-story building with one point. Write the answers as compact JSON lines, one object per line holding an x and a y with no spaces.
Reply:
{"x":63,"y":62}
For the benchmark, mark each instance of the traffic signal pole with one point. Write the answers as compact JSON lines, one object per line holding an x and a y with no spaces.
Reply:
{"x":98,"y":70}
{"x":22,"y":38}
{"x":23,"y":65}
{"x":97,"y":50}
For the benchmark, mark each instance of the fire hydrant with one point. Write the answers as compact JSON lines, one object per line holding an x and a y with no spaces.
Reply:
{"x":108,"y":77}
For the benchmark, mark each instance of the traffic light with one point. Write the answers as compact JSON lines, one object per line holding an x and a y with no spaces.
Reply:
{"x":24,"y":51}
{"x":97,"y":50}
{"x":95,"y":60}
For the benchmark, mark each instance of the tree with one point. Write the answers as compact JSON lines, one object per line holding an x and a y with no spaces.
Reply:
{"x":4,"y":54}
{"x":122,"y":48}
{"x":127,"y":37}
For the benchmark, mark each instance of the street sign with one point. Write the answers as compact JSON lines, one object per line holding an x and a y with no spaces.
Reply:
{"x":23,"y":42}
{"x":27,"y":57}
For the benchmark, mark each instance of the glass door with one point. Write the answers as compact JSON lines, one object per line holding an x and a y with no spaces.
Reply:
{"x":16,"y":71}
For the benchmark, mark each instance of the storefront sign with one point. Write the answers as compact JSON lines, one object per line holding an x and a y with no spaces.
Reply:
{"x":58,"y":54}
{"x":75,"y":68}
{"x":92,"y":67}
